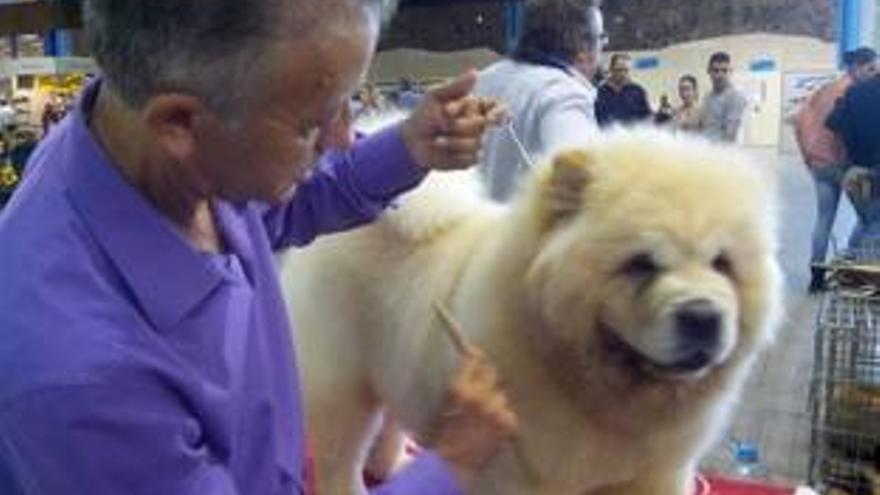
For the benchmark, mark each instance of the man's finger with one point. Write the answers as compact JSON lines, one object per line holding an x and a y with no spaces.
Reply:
{"x":462,"y":107}
{"x":465,"y":127}
{"x":510,"y":422}
{"x":457,"y":145}
{"x":498,"y":115}
{"x":456,"y":162}
{"x":457,"y":88}
{"x":488,"y":104}
{"x":472,"y":108}
{"x":454,"y":108}
{"x":485,"y":375}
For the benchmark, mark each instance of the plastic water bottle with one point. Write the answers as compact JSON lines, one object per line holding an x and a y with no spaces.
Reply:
{"x":747,"y":461}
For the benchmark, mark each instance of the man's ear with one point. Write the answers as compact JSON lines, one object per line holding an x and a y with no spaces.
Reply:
{"x":587,"y":62}
{"x":584,"y":58}
{"x":174,"y":121}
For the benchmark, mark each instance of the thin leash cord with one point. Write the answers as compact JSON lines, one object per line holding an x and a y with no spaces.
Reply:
{"x":524,"y":153}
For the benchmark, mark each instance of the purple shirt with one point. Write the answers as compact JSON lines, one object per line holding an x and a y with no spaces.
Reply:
{"x":132,"y":363}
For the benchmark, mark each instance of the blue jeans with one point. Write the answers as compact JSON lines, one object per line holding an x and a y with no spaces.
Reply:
{"x":828,"y":191}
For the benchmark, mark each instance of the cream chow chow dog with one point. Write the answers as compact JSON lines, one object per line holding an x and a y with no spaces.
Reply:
{"x":623,"y":298}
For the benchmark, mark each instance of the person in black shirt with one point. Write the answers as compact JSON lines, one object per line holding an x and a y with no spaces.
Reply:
{"x":856,"y":119}
{"x":621,"y":101}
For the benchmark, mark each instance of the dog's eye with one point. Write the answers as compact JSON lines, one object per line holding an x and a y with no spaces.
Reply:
{"x":641,"y":266}
{"x":722,"y":264}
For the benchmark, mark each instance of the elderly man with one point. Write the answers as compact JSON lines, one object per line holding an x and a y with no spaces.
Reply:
{"x":546,"y":84}
{"x":146,"y":348}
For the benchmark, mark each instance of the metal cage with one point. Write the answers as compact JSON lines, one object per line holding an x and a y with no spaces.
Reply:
{"x":845,"y":437}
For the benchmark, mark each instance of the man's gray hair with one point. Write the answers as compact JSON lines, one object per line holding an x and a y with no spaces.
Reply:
{"x":218,"y":50}
{"x":558,"y":28}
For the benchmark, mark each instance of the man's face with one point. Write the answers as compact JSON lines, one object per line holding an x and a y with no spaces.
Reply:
{"x":304,"y":113}
{"x":720,"y":73}
{"x":619,"y":71}
{"x":588,"y":60}
{"x":864,"y":72}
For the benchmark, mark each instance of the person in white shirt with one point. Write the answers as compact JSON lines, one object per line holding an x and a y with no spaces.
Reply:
{"x":724,"y":106}
{"x":546,"y":85}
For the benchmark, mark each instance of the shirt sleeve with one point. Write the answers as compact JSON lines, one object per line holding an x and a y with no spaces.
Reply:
{"x":104,"y":440}
{"x":427,"y":475}
{"x":567,"y":119}
{"x":346,"y":190}
{"x":733,"y":117}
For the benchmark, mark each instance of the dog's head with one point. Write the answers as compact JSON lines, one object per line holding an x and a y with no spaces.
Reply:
{"x":655,"y":261}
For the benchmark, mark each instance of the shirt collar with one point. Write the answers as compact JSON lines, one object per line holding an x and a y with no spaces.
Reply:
{"x":167,"y":276}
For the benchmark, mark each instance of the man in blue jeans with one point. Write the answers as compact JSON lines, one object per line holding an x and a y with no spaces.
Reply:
{"x":856,"y":120}
{"x":145,"y":345}
{"x":824,"y":152}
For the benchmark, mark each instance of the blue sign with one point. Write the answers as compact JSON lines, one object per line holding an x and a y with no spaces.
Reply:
{"x":646,"y":63}
{"x":763,"y":65}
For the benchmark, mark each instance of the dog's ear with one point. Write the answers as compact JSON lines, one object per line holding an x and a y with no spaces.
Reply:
{"x":564,"y":186}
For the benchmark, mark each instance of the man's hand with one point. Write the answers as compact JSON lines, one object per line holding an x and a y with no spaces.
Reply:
{"x":446,"y":130}
{"x":475,"y":420}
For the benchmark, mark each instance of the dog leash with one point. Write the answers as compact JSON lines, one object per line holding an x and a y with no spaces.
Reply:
{"x":523,"y":152}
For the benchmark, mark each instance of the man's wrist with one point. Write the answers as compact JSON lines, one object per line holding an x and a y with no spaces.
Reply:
{"x":410,"y":138}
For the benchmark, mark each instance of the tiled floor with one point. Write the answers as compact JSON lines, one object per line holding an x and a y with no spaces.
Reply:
{"x":774,"y":409}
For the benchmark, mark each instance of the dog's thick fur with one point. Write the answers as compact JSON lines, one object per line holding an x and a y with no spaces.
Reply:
{"x":573,"y":291}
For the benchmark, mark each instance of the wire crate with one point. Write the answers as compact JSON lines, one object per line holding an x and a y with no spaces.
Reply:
{"x":845,"y":439}
{"x":867,"y":251}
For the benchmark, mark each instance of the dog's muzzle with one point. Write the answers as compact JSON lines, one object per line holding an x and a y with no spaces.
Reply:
{"x":697,"y":327}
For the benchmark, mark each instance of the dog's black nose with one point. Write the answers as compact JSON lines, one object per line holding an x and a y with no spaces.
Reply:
{"x":699,"y":323}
